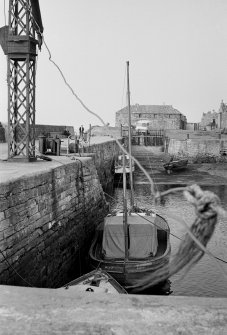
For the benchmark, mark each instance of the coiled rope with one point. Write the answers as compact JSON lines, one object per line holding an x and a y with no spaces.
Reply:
{"x":192,"y":247}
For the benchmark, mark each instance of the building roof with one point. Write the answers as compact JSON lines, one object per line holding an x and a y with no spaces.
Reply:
{"x":154,"y":109}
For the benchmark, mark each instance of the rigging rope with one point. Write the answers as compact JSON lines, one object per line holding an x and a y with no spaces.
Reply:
{"x":177,"y":237}
{"x":17,"y":273}
{"x":192,"y":247}
{"x":179,"y":263}
{"x":123,"y":92}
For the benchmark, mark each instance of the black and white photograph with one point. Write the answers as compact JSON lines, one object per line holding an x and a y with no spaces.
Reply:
{"x":113,"y":167}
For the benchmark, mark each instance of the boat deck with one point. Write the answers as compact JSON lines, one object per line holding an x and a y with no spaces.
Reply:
{"x":162,"y":246}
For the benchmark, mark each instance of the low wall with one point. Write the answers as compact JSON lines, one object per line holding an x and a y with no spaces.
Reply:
{"x":198,"y":150}
{"x":46,"y":218}
{"x":43,"y":129}
{"x":105,"y":131}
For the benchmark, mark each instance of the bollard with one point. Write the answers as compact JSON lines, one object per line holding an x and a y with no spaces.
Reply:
{"x":42,"y":144}
{"x":57,"y":143}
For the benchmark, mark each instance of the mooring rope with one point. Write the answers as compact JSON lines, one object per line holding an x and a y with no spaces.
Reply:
{"x":192,"y":247}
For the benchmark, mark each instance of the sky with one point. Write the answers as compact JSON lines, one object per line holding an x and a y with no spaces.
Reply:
{"x":177,"y":50}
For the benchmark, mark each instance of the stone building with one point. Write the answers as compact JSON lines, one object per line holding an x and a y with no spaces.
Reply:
{"x":159,"y":116}
{"x":222,"y":116}
{"x":209,"y":121}
{"x":192,"y":126}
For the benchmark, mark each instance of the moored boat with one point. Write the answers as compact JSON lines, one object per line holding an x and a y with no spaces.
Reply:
{"x":149,"y":248}
{"x":133,"y":243}
{"x":175,"y":164}
{"x":96,"y":281}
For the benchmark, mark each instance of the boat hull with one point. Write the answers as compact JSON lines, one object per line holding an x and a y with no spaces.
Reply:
{"x":96,"y":281}
{"x":175,"y":165}
{"x":131,"y":272}
{"x":130,"y":275}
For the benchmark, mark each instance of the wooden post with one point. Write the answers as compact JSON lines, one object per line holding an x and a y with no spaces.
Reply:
{"x":130,"y":138}
{"x":125,"y":213}
{"x":89,"y":135}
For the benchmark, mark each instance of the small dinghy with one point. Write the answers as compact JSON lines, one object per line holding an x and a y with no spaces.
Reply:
{"x":96,"y":281}
{"x":175,"y":164}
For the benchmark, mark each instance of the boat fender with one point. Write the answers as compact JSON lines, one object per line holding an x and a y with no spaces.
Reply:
{"x":89,"y":289}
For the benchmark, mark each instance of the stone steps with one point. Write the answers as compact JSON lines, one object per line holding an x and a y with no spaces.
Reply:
{"x":149,"y":157}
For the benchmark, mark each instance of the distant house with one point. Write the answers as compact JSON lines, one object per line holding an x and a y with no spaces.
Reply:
{"x":192,"y":126}
{"x":215,"y":120}
{"x":222,"y":116}
{"x":158,"y":116}
{"x":209,"y":120}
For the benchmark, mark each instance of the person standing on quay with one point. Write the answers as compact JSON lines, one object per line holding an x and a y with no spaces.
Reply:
{"x":81,"y":131}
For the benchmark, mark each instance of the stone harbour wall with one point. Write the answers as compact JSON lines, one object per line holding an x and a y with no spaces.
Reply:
{"x":198,"y":150}
{"x":46,"y":219}
{"x":104,"y":156}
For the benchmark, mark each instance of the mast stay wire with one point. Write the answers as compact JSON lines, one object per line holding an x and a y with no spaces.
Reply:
{"x":175,"y":217}
{"x":38,"y":30}
{"x":123,"y":92}
{"x":156,"y":194}
{"x":99,"y":117}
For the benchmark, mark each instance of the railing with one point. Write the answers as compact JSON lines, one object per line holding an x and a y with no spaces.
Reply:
{"x":147,"y":140}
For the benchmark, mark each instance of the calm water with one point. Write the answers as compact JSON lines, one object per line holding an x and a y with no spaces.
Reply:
{"x":206,"y":278}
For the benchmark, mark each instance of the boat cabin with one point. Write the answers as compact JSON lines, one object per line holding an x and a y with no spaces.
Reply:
{"x":143,"y":241}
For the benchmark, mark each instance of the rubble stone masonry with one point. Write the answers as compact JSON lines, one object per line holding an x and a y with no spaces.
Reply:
{"x":46,"y":218}
{"x":199,"y":150}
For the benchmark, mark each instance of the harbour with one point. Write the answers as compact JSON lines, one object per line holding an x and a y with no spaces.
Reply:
{"x":113,"y":218}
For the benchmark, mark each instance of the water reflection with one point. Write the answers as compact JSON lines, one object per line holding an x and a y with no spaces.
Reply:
{"x":163,"y":288}
{"x":207,"y":277}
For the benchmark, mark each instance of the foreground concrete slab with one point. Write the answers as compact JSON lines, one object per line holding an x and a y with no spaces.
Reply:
{"x":60,"y":311}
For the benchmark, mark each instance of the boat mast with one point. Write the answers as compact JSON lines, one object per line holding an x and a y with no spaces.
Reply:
{"x":130,"y":138}
{"x":125,"y":212}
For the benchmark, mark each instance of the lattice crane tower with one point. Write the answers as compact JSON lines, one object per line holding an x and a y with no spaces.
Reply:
{"x":19,"y":41}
